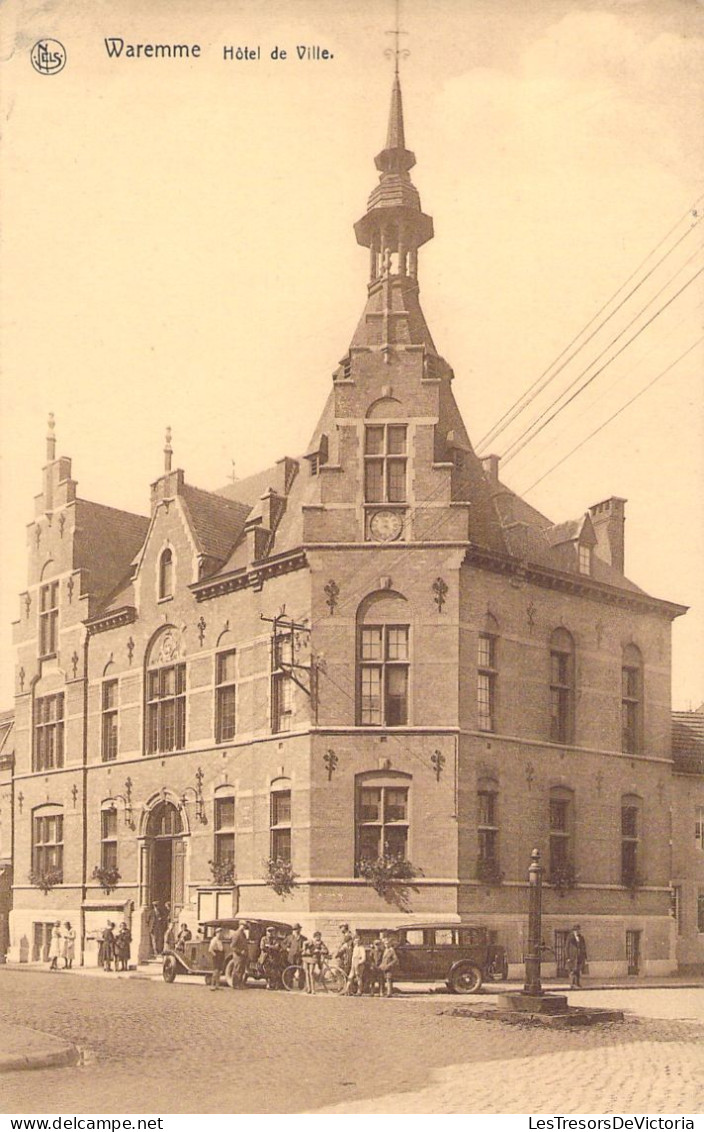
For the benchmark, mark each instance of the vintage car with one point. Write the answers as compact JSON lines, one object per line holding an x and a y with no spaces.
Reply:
{"x":460,"y":955}
{"x":195,"y":958}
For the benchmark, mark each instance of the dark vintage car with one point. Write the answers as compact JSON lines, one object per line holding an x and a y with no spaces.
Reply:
{"x":195,"y":959}
{"x":460,"y":955}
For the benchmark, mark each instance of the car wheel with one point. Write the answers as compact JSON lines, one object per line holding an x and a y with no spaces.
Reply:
{"x":170,"y":969}
{"x":229,"y":972}
{"x":465,"y":978}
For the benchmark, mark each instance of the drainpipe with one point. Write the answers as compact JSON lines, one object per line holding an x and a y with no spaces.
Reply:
{"x":84,"y":803}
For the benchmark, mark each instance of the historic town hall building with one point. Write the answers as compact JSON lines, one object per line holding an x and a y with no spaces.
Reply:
{"x":373,"y":650}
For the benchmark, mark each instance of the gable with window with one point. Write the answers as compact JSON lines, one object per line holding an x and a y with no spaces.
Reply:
{"x":383,"y":661}
{"x":631,"y":699}
{"x":562,"y":668}
{"x":382,"y":815}
{"x":48,"y":619}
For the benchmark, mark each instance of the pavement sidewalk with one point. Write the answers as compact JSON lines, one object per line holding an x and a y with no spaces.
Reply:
{"x":21,"y":1048}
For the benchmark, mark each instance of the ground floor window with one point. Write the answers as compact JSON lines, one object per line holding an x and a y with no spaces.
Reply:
{"x":381,"y":818}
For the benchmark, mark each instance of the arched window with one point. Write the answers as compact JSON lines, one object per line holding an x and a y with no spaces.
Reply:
{"x":561,"y":687}
{"x":164,"y":821}
{"x":165,"y":696}
{"x":631,"y":699}
{"x":487,"y":674}
{"x":383,"y":660}
{"x":381,"y":815}
{"x":166,"y":574}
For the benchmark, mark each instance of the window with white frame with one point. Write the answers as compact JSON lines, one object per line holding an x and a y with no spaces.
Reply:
{"x":486,"y":677}
{"x":384,"y":661}
{"x":225,"y":696}
{"x":108,"y":837}
{"x":224,"y":830}
{"x":561,"y":686}
{"x":385,"y":463}
{"x":49,"y":732}
{"x":48,"y":842}
{"x":48,"y":618}
{"x":280,"y":830}
{"x":109,"y":721}
{"x":166,"y":708}
{"x":382,"y":816}
{"x":488,"y":824}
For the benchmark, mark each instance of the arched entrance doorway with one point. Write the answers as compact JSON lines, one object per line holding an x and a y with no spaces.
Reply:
{"x":165,"y":854}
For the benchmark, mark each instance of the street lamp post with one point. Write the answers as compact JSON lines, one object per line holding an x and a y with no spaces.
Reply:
{"x":532,"y":983}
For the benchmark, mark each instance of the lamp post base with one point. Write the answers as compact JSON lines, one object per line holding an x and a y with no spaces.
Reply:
{"x":533,"y":1003}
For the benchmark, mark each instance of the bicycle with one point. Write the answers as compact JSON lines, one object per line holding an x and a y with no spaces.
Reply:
{"x":326,"y":978}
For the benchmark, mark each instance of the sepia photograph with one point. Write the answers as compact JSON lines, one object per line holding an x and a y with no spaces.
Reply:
{"x":352,"y":590}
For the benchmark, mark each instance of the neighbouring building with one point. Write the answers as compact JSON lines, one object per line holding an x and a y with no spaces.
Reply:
{"x":6,"y":827}
{"x":373,"y":653}
{"x":688,"y":836}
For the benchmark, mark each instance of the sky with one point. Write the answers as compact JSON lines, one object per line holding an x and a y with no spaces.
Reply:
{"x":177,"y":249}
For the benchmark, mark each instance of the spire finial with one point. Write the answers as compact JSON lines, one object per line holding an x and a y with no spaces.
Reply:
{"x":50,"y":438}
{"x":168,"y":450}
{"x":396,"y":51}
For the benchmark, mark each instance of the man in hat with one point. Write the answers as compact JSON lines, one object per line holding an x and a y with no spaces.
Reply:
{"x":240,"y":952}
{"x":575,"y":955}
{"x":294,"y":946}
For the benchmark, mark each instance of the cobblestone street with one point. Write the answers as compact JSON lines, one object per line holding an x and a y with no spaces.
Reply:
{"x":156,"y":1048}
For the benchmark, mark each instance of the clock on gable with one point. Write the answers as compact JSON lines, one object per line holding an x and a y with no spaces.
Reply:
{"x":386,"y":526}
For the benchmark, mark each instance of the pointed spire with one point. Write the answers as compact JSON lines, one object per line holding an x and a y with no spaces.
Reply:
{"x":395,"y":137}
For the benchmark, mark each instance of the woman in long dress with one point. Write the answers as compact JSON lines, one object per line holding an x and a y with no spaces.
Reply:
{"x":68,"y":945}
{"x":55,"y":946}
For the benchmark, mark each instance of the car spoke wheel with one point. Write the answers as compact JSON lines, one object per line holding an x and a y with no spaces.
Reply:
{"x":465,"y":979}
{"x":294,"y":978}
{"x":334,"y":980}
{"x":170,"y":969}
{"x":230,"y":976}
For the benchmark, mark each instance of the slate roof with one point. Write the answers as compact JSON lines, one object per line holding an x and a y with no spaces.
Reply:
{"x":105,"y":544}
{"x":688,"y":741}
{"x":216,"y":521}
{"x":7,"y":723}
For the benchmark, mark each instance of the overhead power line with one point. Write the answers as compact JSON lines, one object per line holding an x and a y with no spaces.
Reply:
{"x":525,"y":399}
{"x":613,"y":416}
{"x":532,"y":431}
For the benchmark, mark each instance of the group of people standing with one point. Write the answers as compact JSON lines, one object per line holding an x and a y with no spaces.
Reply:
{"x":115,"y":947}
{"x":367,"y":970}
{"x":62,"y":945}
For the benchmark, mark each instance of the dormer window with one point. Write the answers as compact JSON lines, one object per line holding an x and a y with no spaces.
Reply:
{"x":585,"y":559}
{"x":166,"y":575}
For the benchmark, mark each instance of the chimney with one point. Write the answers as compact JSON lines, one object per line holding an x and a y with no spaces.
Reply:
{"x":490,"y":465}
{"x":609,"y":519}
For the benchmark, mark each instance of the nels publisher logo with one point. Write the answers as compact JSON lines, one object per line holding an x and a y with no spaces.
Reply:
{"x":48,"y":56}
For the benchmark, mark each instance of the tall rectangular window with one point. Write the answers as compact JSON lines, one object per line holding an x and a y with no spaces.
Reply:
{"x":561,"y":686}
{"x":224,"y":826}
{"x":381,"y":821}
{"x":109,"y":721}
{"x":559,"y":835}
{"x":108,"y":839}
{"x":486,"y":681}
{"x":629,"y":845}
{"x":383,"y":675}
{"x":48,"y":618}
{"x":225,"y":696}
{"x":487,"y":827}
{"x":49,"y":732}
{"x":166,"y":709}
{"x":385,"y":463}
{"x":48,"y":848}
{"x":281,"y":825}
{"x":631,"y":699}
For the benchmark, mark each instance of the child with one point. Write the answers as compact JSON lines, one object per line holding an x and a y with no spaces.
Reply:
{"x":388,"y":965}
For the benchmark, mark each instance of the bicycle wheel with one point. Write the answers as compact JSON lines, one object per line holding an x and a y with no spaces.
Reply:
{"x":294,"y":978}
{"x":334,"y":981}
